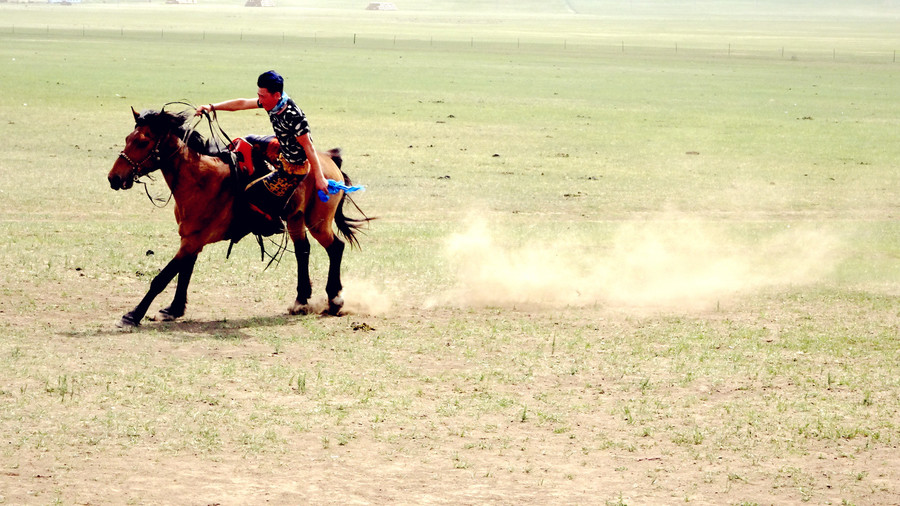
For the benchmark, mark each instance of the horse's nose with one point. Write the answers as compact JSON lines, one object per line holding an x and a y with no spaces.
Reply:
{"x":115,"y":182}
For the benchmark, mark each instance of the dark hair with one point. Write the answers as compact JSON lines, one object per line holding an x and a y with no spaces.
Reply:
{"x":271,"y":81}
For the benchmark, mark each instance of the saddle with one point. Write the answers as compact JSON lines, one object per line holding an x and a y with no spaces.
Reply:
{"x":262,"y":190}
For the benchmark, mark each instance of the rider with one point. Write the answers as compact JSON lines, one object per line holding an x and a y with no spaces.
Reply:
{"x":297,"y":155}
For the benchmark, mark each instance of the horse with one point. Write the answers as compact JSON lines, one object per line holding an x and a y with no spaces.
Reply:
{"x":204,"y":184}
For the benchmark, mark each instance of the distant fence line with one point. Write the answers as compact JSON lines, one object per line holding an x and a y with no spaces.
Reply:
{"x":855,"y":55}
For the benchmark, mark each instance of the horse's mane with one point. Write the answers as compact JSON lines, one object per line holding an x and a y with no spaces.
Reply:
{"x":163,"y":122}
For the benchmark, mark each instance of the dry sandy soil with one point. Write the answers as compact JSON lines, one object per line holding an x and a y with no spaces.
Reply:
{"x":778,"y":398}
{"x":424,"y":451}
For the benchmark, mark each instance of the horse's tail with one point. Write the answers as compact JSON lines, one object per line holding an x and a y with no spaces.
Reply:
{"x":335,"y":154}
{"x":348,"y":227}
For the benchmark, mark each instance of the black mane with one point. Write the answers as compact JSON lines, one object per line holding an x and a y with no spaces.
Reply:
{"x":165,"y":122}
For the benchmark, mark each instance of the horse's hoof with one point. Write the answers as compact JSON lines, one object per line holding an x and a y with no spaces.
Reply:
{"x":169,"y":315}
{"x":335,"y":305}
{"x":298,"y":308}
{"x":127,"y":322}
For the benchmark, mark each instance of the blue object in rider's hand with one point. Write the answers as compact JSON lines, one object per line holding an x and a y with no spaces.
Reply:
{"x":334,"y":187}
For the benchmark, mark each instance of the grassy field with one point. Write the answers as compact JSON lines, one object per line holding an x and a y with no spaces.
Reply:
{"x":627,"y":253}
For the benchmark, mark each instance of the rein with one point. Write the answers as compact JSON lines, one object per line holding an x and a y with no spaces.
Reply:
{"x":154,"y":160}
{"x":218,"y":133}
{"x":142,"y":169}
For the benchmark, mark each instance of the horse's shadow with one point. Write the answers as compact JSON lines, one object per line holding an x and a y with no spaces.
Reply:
{"x":222,"y":330}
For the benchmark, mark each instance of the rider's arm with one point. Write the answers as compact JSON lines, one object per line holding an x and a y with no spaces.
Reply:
{"x":315,"y":169}
{"x":237,"y":104}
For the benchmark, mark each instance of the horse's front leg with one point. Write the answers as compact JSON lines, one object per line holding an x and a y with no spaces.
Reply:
{"x":160,"y":282}
{"x":179,"y":303}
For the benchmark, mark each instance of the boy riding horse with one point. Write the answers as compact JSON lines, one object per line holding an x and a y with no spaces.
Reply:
{"x":297,"y":155}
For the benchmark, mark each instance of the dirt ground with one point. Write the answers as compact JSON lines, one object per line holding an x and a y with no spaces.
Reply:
{"x":368,"y":473}
{"x":469,"y":457}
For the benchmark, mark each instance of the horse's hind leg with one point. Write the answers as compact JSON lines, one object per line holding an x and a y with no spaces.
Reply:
{"x":304,"y":285}
{"x":297,"y":230}
{"x":333,"y":287}
{"x":179,"y":303}
{"x":320,"y":226}
{"x":335,"y":249}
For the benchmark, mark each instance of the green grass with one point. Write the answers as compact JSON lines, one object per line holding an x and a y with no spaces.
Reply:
{"x":594,"y":253}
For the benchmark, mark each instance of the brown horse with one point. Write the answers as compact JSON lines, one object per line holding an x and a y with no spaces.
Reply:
{"x":206,"y":192}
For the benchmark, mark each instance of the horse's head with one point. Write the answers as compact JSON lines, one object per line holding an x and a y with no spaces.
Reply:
{"x":143,"y":147}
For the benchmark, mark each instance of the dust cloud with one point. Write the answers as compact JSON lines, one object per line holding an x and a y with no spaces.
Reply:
{"x":363,"y":296}
{"x":669,"y":263}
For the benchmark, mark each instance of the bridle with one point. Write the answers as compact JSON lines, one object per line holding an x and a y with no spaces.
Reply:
{"x":154,"y":158}
{"x":139,"y":168}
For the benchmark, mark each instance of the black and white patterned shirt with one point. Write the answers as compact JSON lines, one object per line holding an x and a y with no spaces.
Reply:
{"x":289,"y":123}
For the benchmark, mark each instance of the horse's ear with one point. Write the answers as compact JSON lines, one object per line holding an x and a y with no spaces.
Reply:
{"x":136,"y":115}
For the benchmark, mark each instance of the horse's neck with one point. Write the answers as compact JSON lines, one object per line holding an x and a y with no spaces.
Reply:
{"x":191,"y":175}
{"x":203,"y":196}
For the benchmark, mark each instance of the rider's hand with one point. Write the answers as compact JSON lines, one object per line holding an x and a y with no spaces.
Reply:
{"x":202,"y":109}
